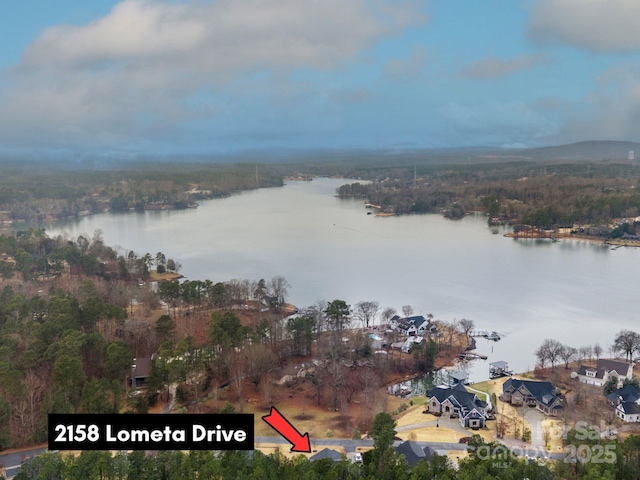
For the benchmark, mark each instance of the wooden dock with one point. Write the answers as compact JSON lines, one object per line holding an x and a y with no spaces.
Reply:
{"x":495,"y":336}
{"x":472,"y":356}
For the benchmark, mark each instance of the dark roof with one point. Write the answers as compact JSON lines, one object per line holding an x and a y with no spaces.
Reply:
{"x":141,"y":367}
{"x":619,"y":366}
{"x":460,"y":396}
{"x":413,"y":452}
{"x":404,"y":324}
{"x":630,"y":393}
{"x":630,"y":407}
{"x":417,"y":320}
{"x":327,"y":453}
{"x":584,"y":369}
{"x":543,"y":392}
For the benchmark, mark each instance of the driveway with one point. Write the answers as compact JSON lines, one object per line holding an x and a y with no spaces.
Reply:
{"x":535,"y":418}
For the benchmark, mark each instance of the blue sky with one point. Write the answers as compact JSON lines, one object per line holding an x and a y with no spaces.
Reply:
{"x":160,"y":76}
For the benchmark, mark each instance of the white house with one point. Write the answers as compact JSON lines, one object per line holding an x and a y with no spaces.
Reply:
{"x":605,"y":369}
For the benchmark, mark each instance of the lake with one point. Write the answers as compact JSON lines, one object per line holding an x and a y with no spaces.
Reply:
{"x":577,"y":292}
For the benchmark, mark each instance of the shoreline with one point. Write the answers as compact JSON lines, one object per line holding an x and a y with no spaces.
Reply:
{"x":606,"y":241}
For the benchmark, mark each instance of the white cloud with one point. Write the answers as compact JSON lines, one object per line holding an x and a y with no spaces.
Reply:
{"x":140,"y":69}
{"x":595,"y":25}
{"x":224,"y":34}
{"x":491,"y":68}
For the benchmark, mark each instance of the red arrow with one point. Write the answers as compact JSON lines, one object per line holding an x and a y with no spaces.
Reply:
{"x":289,"y":432}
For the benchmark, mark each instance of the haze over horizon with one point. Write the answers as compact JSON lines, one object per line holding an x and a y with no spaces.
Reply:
{"x":184,"y":76}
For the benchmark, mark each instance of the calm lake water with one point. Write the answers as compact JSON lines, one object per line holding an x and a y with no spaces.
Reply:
{"x":577,"y":292}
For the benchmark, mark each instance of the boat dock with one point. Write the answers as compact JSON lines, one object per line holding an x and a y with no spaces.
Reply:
{"x":472,"y":356}
{"x":499,"y":369}
{"x":495,"y":336}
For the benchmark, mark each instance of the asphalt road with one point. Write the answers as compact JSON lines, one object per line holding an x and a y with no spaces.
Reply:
{"x":12,"y":461}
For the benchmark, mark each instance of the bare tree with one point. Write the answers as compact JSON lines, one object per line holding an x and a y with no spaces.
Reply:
{"x":542,"y":355}
{"x":259,"y":361}
{"x":550,"y":350}
{"x":235,"y":365}
{"x":317,"y":312}
{"x":567,"y":354}
{"x":467,"y":325}
{"x":366,"y":312}
{"x":597,"y":351}
{"x":407,"y":310}
{"x":266,"y":387}
{"x":628,"y":342}
{"x":583,"y":352}
{"x":337,"y":376}
{"x":278,"y":289}
{"x":449,"y":330}
{"x":387,"y":313}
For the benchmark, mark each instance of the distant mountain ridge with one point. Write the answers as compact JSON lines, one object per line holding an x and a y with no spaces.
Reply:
{"x":593,"y":150}
{"x":589,"y":151}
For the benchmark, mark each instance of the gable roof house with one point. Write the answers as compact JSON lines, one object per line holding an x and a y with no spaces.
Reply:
{"x":543,"y":395}
{"x":458,"y":402}
{"x":413,"y":452}
{"x":415,"y":325}
{"x":393,"y":322}
{"x":329,"y":453}
{"x":604,"y":369}
{"x":406,"y":327}
{"x":626,"y":401}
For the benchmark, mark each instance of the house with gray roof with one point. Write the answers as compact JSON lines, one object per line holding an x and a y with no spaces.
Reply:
{"x":414,"y":325}
{"x":542,"y":395}
{"x":327,"y":453}
{"x":413,"y":452}
{"x":605,"y":369}
{"x":626,"y":401}
{"x":458,"y":402}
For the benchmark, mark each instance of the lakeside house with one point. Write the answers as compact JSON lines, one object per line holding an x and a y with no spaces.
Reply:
{"x":605,"y":369}
{"x":414,"y":325}
{"x":626,"y":402}
{"x":456,"y":401}
{"x":543,"y":395}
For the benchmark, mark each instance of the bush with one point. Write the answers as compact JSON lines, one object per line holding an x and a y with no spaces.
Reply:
{"x":228,"y":408}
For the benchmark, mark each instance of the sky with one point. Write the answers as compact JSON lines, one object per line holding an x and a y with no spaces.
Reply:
{"x":223,"y":76}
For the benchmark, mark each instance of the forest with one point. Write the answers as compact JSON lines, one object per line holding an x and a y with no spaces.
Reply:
{"x":532,"y":187}
{"x":74,"y":313}
{"x":540,"y":195}
{"x":485,"y":461}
